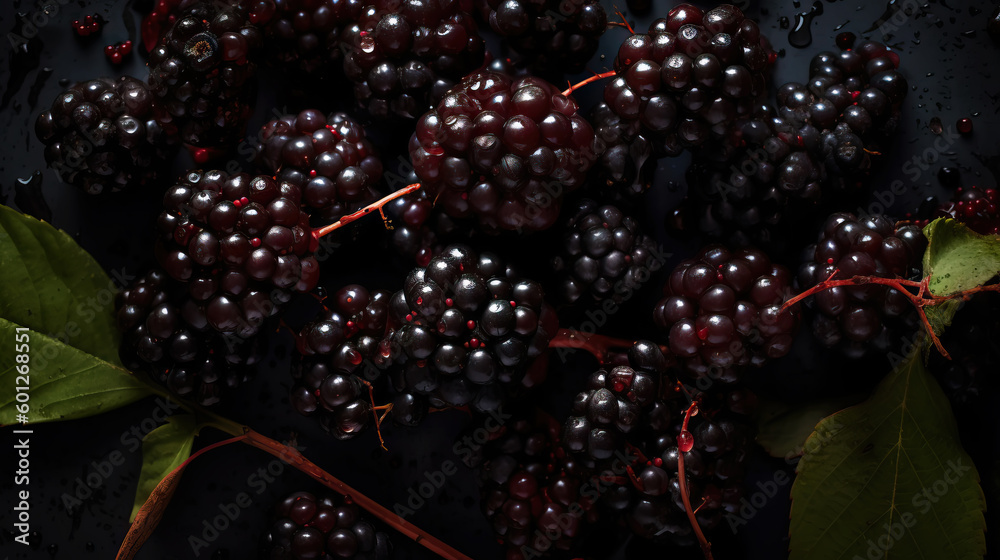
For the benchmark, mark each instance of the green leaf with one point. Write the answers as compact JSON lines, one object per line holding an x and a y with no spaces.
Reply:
{"x":889,"y":479}
{"x":64,"y":383}
{"x":958,"y":258}
{"x":163,"y":450}
{"x":782,"y":428}
{"x":58,"y":298}
{"x":51,"y":285}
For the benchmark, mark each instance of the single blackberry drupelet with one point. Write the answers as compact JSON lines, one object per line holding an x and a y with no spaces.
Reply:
{"x":503,"y":150}
{"x":463,"y":332}
{"x":102,"y":135}
{"x":241,"y":243}
{"x":404,"y":56}
{"x":328,"y":158}
{"x":722,"y":312}
{"x":605,"y":254}
{"x":336,"y":368}
{"x":860,"y":318}
{"x":203,"y":74}
{"x":166,"y":334}
{"x":306,"y":526}
{"x":550,"y":37}
{"x":613,"y":405}
{"x":687,"y":79}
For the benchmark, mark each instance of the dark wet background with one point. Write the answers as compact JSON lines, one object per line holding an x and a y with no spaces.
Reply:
{"x":948,"y":58}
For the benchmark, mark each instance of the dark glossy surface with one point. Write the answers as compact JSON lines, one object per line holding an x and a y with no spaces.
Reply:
{"x":947,"y":57}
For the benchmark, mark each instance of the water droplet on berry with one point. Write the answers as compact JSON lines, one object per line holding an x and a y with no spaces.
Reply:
{"x":685,"y":441}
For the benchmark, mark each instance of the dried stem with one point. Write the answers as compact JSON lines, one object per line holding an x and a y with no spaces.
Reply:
{"x":377,"y":205}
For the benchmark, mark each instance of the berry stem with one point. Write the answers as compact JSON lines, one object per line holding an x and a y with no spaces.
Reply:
{"x":706,"y":547}
{"x":293,"y":457}
{"x":377,"y":205}
{"x":594,"y":78}
{"x":597,"y":344}
{"x":921,"y":299}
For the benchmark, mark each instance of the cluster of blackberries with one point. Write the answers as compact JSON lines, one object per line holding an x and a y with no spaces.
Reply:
{"x":103,"y":136}
{"x":689,"y":77}
{"x":720,"y":438}
{"x":861,"y":318}
{"x":503,"y":150}
{"x":465,"y":330}
{"x":338,"y":355}
{"x":242,"y":243}
{"x":812,"y":148}
{"x":167,"y":334}
{"x":532,"y":488}
{"x":203,"y":74}
{"x":404,"y":56}
{"x":309,"y":527}
{"x":614,"y":404}
{"x":723,"y":312}
{"x":329,"y":159}
{"x":977,"y":208}
{"x":605,"y":254}
{"x":550,"y":37}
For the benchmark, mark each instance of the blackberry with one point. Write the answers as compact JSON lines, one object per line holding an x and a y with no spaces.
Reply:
{"x":624,"y":150}
{"x":687,"y":79}
{"x":166,"y":334}
{"x":241,"y":243}
{"x":463,"y":332}
{"x":503,"y":150}
{"x":860,"y":318}
{"x":651,"y":504}
{"x":613,"y":405}
{"x":813,"y":148}
{"x":604,"y":254}
{"x":102,"y":135}
{"x":305,"y":35}
{"x":722,"y":312}
{"x":532,"y":489}
{"x":336,"y":368}
{"x":553,"y":37}
{"x":404,"y":56}
{"x":306,"y":526}
{"x":203,"y":74}
{"x":328,"y":158}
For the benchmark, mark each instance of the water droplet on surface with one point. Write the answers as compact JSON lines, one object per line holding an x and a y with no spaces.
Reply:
{"x":935,"y":125}
{"x":801,"y":34}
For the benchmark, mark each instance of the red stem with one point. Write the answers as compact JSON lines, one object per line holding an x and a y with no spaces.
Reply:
{"x":706,"y":547}
{"x":594,"y":78}
{"x":377,"y":205}
{"x":921,"y":299}
{"x":293,"y":457}
{"x":597,"y":344}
